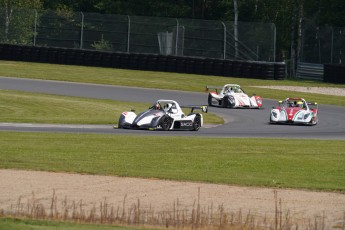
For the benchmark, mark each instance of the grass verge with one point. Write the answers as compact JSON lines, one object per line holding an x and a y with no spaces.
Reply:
{"x":24,"y":224}
{"x":26,"y":107}
{"x":317,"y":165}
{"x":160,"y":80}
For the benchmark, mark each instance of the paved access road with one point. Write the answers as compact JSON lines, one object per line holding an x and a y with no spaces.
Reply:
{"x":239,"y":122}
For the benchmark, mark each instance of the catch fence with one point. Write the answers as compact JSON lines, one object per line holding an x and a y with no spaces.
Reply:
{"x":138,"y":34}
{"x":323,"y":44}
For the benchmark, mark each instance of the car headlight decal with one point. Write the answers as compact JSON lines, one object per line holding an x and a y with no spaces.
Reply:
{"x":274,"y":114}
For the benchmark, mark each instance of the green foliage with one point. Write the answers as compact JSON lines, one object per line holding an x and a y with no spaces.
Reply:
{"x":103,"y":45}
{"x":285,"y":14}
{"x":18,"y":19}
{"x":249,"y":162}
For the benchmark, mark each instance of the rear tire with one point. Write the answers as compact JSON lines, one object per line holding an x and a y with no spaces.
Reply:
{"x":196,"y":123}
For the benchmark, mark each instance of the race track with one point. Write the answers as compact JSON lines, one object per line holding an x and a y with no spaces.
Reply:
{"x":239,"y":122}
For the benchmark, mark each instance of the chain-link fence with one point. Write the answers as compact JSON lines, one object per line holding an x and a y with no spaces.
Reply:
{"x":323,"y":44}
{"x":137,"y":34}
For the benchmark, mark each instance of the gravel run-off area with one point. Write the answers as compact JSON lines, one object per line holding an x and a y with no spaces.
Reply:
{"x":160,"y":195}
{"x":319,"y":90}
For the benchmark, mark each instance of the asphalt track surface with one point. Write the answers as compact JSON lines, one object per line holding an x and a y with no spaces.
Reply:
{"x":251,"y":123}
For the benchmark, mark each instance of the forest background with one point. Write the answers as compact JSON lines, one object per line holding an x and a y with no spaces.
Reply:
{"x":287,"y":15}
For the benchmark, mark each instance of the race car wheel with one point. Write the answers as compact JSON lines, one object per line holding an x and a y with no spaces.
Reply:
{"x":228,"y":102}
{"x":196,"y":123}
{"x":121,"y":121}
{"x":165,"y":123}
{"x":210,"y":100}
{"x":313,"y":121}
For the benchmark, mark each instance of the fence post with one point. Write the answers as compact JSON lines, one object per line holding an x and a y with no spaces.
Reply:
{"x":274,"y":43}
{"x":35,"y":28}
{"x":332,"y":47}
{"x":176,"y":42}
{"x":81,"y":30}
{"x":224,"y":48}
{"x":129,"y":31}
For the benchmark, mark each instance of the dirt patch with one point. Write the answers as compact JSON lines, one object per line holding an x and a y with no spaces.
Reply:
{"x":318,"y":90}
{"x":160,"y":195}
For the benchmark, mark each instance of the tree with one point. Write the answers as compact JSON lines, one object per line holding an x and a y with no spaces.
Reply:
{"x":18,"y":18}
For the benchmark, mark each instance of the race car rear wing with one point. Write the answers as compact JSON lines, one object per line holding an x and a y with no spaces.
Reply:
{"x":213,"y":87}
{"x":203,"y":108}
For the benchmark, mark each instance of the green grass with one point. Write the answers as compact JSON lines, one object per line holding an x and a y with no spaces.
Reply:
{"x":309,"y":164}
{"x":25,"y":224}
{"x":159,"y":80}
{"x":44,"y":108}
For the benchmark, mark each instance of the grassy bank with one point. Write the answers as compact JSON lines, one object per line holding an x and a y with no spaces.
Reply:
{"x":26,"y":107}
{"x":25,"y":224}
{"x":251,"y":162}
{"x":159,"y":80}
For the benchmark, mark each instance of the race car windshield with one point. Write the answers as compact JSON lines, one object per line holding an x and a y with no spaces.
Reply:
{"x":237,"y":90}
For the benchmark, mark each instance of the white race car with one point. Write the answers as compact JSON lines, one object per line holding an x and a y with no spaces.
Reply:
{"x":165,"y":115}
{"x":232,"y":96}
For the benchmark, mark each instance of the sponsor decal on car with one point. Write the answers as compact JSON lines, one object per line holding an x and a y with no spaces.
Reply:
{"x":186,"y":124}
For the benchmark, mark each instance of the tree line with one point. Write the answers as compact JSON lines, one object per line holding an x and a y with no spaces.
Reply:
{"x":287,"y":15}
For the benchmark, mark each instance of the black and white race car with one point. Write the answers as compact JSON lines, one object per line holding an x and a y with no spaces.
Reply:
{"x":232,"y":96}
{"x":164,"y":115}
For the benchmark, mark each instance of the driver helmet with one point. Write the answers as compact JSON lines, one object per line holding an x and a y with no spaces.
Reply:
{"x":227,"y":90}
{"x":299,"y":104}
{"x":157,"y":106}
{"x":168,"y":106}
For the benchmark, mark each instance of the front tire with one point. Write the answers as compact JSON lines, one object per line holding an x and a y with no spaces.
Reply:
{"x":313,"y":121}
{"x":196,"y":123}
{"x":120,"y":123}
{"x":209,"y":100}
{"x":165,"y":123}
{"x":228,"y":102}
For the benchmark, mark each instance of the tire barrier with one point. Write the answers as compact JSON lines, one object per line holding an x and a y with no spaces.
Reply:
{"x":199,"y":65}
{"x":237,"y":68}
{"x":279,"y":71}
{"x":246,"y":70}
{"x":228,"y":70}
{"x":267,"y":71}
{"x":171,"y":64}
{"x":334,"y":73}
{"x":154,"y":62}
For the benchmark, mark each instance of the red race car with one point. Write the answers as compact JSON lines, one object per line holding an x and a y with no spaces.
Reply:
{"x":295,"y":111}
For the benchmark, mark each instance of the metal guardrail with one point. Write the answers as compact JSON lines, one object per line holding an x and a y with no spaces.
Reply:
{"x":310,"y":71}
